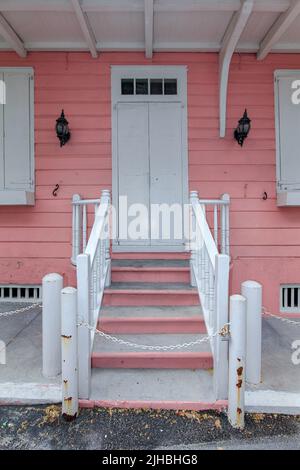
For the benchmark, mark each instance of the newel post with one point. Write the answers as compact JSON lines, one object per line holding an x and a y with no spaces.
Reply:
{"x":84,"y":334}
{"x":193,"y":198}
{"x":237,"y":362}
{"x":225,"y":229}
{"x":107,"y":199}
{"x":220,"y":320}
{"x":76,"y":228}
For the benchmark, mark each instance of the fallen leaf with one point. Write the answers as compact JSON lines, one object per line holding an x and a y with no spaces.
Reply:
{"x":218,"y":424}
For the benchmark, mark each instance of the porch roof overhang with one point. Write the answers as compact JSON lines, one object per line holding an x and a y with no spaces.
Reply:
{"x":223,"y":26}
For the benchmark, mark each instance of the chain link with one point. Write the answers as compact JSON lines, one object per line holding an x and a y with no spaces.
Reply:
{"x":171,"y":347}
{"x":19,"y":310}
{"x":278,"y":317}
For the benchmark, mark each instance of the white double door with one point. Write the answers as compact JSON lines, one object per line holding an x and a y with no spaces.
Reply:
{"x":151,"y":188}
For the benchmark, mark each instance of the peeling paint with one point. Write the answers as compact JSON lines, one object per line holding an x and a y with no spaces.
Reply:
{"x":239,"y":383}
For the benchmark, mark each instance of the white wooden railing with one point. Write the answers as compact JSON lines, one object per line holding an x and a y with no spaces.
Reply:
{"x":80,"y":223}
{"x":210,"y":274}
{"x":216,"y":212}
{"x":84,"y":210}
{"x":93,"y":275}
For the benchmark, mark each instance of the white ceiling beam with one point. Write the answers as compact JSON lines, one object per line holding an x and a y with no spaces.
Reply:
{"x":35,"y":5}
{"x":280,"y":26}
{"x":72,"y":46}
{"x":135,"y":5}
{"x":182,"y":5}
{"x":11,"y":37}
{"x":230,"y":41}
{"x":149,"y":28}
{"x":85,"y":28}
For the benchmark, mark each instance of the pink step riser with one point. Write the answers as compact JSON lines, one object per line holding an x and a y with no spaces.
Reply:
{"x":164,"y":274}
{"x":153,"y":360}
{"x":130,"y":297}
{"x":137,"y":325}
{"x":219,"y":405}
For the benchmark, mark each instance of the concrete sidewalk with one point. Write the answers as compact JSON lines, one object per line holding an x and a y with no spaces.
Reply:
{"x":21,"y":379}
{"x":278,"y":370}
{"x":279,"y":391}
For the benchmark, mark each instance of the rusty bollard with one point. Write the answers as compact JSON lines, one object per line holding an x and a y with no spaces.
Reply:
{"x":237,"y":355}
{"x":69,"y":353}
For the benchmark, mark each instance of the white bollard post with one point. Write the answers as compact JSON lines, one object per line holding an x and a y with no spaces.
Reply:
{"x":237,"y":354}
{"x":52,"y":286}
{"x":69,"y":353}
{"x":252,"y":291}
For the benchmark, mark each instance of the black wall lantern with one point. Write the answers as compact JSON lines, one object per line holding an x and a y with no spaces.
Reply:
{"x":243,"y":128}
{"x":62,"y":129}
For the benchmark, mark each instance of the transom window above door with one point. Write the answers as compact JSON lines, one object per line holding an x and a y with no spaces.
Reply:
{"x":149,"y":83}
{"x":149,"y":86}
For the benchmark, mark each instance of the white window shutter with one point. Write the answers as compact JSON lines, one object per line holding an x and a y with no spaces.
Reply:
{"x":18,"y":131}
{"x":287,"y":137}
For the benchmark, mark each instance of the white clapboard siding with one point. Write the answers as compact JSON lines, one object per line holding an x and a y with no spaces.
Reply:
{"x":16,"y":141}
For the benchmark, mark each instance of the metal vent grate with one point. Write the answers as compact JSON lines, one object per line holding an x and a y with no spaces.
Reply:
{"x":290,"y":298}
{"x":17,"y":293}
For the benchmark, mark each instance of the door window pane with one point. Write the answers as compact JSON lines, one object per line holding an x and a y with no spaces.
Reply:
{"x":141,"y":86}
{"x":156,"y":86}
{"x":127,"y":86}
{"x":170,"y":86}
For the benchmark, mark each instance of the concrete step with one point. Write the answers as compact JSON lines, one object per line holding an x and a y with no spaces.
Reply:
{"x":151,"y":263}
{"x":151,"y":271}
{"x":166,"y":388}
{"x":152,"y":360}
{"x":141,"y":320}
{"x":151,"y":256}
{"x":144,"y":294}
{"x":108,"y":354}
{"x":193,"y":312}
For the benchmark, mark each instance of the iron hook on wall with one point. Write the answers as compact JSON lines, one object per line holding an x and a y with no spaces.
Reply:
{"x":54,"y":192}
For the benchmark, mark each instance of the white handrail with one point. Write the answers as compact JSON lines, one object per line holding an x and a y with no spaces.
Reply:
{"x":93,"y":275}
{"x":220,"y":220}
{"x":210,"y":274}
{"x":206,"y":235}
{"x":80,"y":226}
{"x":97,"y":232}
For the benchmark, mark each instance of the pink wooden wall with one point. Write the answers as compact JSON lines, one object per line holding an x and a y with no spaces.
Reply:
{"x":265,"y":239}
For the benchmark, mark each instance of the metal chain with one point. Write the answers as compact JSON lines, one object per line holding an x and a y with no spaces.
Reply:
{"x":222,"y":332}
{"x":19,"y":310}
{"x":283,"y":319}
